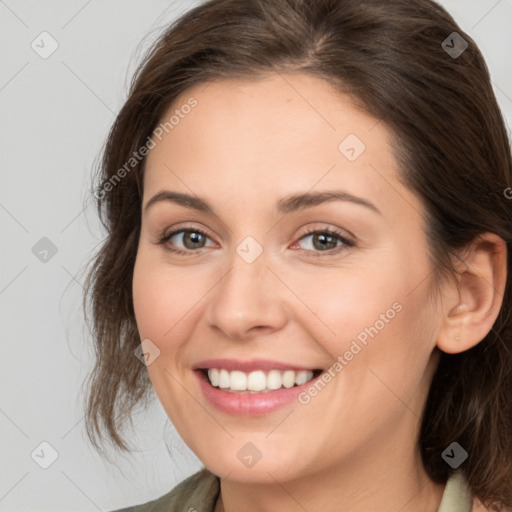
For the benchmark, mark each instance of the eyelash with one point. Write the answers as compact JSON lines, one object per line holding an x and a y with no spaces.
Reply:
{"x":346,"y":243}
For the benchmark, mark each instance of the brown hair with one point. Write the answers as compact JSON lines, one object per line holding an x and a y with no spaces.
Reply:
{"x":453,"y":152}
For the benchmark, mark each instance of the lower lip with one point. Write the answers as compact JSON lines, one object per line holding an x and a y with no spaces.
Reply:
{"x":245,"y":404}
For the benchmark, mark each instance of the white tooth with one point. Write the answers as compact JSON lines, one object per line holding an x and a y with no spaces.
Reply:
{"x":224,"y":379}
{"x":288,"y":378}
{"x":213,"y":375}
{"x":238,"y":381}
{"x":274,"y":380}
{"x":301,"y":377}
{"x":256,"y":381}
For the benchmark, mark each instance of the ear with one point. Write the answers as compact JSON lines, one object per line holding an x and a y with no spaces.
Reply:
{"x":473,"y":300}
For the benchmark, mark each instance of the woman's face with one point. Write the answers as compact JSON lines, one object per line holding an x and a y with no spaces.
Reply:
{"x":300,"y":251}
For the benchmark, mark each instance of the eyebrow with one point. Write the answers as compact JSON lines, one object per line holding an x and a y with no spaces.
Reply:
{"x":287,"y":204}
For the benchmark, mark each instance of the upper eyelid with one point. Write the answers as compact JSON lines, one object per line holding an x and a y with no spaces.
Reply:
{"x":175,"y":231}
{"x":309,"y":232}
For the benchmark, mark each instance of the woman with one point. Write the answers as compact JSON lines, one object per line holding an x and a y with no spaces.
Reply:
{"x":307,"y":217}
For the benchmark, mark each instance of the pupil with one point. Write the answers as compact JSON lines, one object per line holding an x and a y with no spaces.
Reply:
{"x":325,"y":240}
{"x":194,"y":239}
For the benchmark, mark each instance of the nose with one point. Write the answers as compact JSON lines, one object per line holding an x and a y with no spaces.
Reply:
{"x":248,"y":301}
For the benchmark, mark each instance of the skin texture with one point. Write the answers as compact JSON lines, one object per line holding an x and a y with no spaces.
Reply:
{"x":246,"y":145}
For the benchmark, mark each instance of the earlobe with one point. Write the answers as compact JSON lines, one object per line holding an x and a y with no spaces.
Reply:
{"x":474,"y":299}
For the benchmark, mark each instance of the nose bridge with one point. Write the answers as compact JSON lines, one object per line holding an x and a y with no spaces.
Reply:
{"x":247,"y":298}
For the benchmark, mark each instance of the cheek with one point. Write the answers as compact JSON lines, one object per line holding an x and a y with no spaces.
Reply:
{"x":346,"y":301}
{"x":151,"y":303}
{"x":165,"y":300}
{"x":379,"y":315}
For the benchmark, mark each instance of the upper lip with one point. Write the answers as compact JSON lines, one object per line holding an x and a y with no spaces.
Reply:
{"x":248,"y":366}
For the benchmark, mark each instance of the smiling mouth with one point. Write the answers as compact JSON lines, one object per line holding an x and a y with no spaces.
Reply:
{"x":257,"y":381}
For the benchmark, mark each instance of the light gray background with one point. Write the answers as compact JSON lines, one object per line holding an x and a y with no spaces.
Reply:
{"x":55,"y":115}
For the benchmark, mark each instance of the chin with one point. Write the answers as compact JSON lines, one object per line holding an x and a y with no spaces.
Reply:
{"x":266,"y":470}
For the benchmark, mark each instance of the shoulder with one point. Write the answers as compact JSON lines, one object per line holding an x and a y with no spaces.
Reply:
{"x":197,"y":493}
{"x":457,"y":495}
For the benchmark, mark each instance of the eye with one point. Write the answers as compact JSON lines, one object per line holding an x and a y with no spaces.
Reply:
{"x":324,"y":240}
{"x":189,"y":241}
{"x":185,"y":241}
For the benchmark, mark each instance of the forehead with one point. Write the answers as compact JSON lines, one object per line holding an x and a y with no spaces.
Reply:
{"x":256,"y":140}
